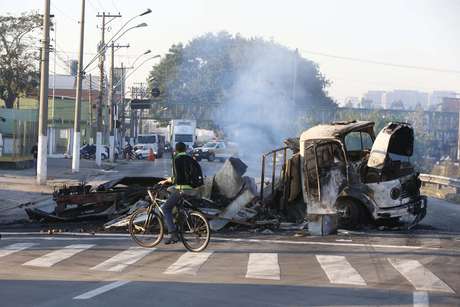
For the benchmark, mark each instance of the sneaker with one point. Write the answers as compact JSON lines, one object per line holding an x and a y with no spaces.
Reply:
{"x":173,"y":238}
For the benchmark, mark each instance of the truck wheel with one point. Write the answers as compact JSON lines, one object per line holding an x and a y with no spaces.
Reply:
{"x":211,"y":157}
{"x":350,"y":214}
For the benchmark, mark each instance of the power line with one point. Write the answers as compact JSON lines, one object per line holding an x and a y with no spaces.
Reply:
{"x":92,"y":5}
{"x":382,"y":63}
{"x":115,"y":6}
{"x":64,"y":13}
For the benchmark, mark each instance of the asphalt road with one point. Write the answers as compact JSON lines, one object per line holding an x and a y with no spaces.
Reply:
{"x":42,"y":270}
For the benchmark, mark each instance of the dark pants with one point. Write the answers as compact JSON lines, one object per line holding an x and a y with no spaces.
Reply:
{"x":168,"y":206}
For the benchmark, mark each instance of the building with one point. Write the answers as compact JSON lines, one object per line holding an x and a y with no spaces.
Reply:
{"x":436,"y":98}
{"x":405,"y":99}
{"x":64,"y":86}
{"x":376,"y":97}
{"x":449,"y":104}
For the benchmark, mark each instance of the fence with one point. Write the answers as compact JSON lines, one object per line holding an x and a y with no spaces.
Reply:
{"x":18,"y":130}
{"x":441,"y":187}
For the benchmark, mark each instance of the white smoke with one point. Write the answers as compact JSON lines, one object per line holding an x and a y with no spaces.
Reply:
{"x":259,"y":112}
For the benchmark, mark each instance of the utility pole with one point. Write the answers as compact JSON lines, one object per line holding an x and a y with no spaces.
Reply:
{"x":90,"y":102}
{"x":43,"y":110}
{"x":111,"y":105}
{"x":112,"y":126}
{"x":141,"y":93}
{"x":76,"y":124}
{"x":132,"y":125}
{"x":101,"y":87}
{"x":122,"y":103}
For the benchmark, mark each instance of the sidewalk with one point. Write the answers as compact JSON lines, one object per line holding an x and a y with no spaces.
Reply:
{"x":19,"y":186}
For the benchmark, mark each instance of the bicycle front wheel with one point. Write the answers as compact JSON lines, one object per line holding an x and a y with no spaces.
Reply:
{"x":146,"y":228}
{"x":195,"y":232}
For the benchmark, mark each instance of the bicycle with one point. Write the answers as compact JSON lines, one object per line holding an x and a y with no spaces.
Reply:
{"x":147,"y":229}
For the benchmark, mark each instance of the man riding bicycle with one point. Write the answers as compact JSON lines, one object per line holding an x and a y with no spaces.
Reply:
{"x":187,"y":175}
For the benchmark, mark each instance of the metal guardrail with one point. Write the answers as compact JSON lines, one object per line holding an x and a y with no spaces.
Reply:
{"x":440,"y":180}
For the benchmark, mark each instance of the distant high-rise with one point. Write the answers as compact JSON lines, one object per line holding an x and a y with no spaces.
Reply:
{"x":376,"y":97}
{"x":408,"y":98}
{"x":436,"y":98}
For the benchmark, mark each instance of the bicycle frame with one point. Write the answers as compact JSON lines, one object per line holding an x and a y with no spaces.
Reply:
{"x":180,"y":207}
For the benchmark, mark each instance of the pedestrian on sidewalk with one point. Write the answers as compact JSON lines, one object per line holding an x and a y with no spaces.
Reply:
{"x":34,"y":152}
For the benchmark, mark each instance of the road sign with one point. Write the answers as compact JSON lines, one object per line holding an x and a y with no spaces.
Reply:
{"x":139,"y":104}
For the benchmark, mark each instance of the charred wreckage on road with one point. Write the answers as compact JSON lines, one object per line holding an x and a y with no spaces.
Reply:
{"x":334,"y":175}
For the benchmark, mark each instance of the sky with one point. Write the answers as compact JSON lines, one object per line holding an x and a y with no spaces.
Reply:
{"x":420,"y":33}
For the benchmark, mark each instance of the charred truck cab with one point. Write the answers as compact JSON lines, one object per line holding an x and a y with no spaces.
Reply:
{"x":349,"y":177}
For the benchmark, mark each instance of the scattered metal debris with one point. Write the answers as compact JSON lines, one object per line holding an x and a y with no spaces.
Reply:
{"x":82,"y":202}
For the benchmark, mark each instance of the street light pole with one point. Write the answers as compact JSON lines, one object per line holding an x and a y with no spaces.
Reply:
{"x":111,"y":106}
{"x":76,"y":129}
{"x":100,"y":97}
{"x":122,"y":100}
{"x":43,"y":110}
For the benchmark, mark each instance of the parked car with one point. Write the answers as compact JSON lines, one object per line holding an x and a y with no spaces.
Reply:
{"x":218,"y":150}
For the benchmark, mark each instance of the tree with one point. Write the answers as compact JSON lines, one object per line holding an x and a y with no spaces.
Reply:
{"x":18,"y":67}
{"x":209,"y":67}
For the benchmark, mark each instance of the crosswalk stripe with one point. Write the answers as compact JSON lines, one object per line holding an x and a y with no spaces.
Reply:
{"x":54,"y":257}
{"x":189,"y":263}
{"x":263,"y":266}
{"x":339,"y":270}
{"x":421,"y":299}
{"x":120,"y":261}
{"x":420,"y":277}
{"x":13,"y":248}
{"x":100,"y":290}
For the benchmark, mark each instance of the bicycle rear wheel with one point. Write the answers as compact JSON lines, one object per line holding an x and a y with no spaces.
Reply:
{"x":146,"y":229}
{"x":195,"y":232}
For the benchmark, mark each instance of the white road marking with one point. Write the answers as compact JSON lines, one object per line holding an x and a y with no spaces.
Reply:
{"x":95,"y":237}
{"x":13,"y":248}
{"x":100,"y":290}
{"x":339,"y":270}
{"x":431,"y":242}
{"x":189,"y":263}
{"x":59,"y":255}
{"x":420,"y":277}
{"x":263,"y":266}
{"x":120,"y":261}
{"x":421,"y":299}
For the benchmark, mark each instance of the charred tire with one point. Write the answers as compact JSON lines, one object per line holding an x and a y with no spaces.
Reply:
{"x":195,"y":232}
{"x":146,"y":233}
{"x":351,"y":215}
{"x":211,"y":157}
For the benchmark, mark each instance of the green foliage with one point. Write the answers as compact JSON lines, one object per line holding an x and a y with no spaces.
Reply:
{"x":18,"y":55}
{"x":208,"y":67}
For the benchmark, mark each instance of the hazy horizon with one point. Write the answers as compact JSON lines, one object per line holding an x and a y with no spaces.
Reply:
{"x":341,"y":36}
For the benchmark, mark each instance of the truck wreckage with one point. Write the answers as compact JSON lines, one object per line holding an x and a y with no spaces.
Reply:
{"x":347,"y":177}
{"x":335,"y":175}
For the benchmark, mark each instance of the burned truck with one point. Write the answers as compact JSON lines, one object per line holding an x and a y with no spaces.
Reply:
{"x":347,"y":177}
